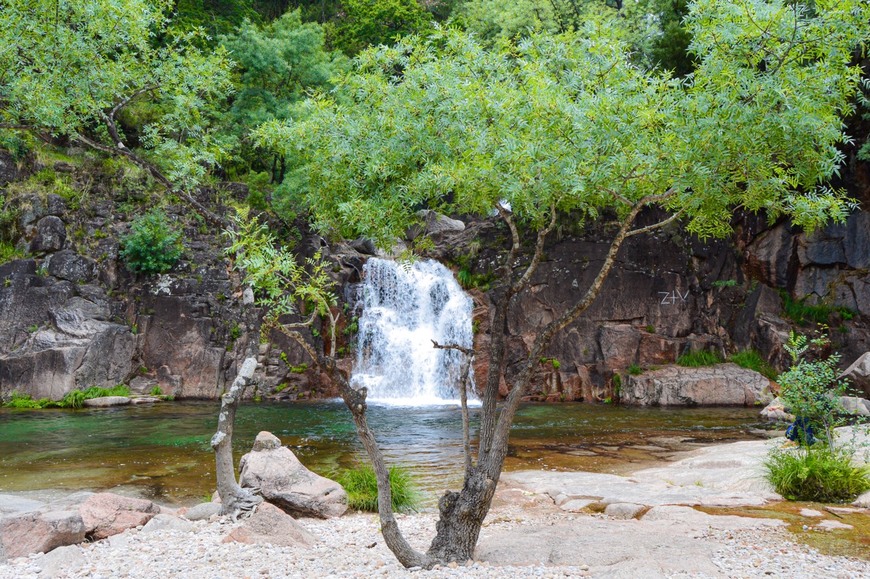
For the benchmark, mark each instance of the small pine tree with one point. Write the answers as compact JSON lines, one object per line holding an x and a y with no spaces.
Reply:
{"x":153,"y":245}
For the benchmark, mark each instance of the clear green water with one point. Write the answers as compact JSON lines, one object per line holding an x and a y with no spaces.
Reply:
{"x":162,"y":451}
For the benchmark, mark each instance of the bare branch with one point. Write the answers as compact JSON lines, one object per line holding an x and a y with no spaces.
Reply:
{"x":355,"y":400}
{"x":156,"y":173}
{"x":457,"y":347}
{"x":545,"y":337}
{"x":464,"y":372}
{"x":126,"y":101}
{"x":515,"y":240}
{"x":539,"y":252}
{"x":655,"y":226}
{"x":306,"y":324}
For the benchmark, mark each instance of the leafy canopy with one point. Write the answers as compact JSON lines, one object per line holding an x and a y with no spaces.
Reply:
{"x":569,"y":122}
{"x":363,"y":23}
{"x":277,"y":65}
{"x":66,"y":68}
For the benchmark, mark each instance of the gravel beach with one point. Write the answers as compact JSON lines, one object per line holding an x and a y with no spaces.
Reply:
{"x":351,"y":546}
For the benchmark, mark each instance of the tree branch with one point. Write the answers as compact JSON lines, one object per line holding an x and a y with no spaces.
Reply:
{"x":355,"y":400}
{"x":655,"y":226}
{"x":156,"y":173}
{"x":464,"y":373}
{"x":545,"y":337}
{"x":539,"y":252}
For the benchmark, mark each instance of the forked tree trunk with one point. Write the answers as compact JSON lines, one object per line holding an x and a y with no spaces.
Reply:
{"x":462,"y":513}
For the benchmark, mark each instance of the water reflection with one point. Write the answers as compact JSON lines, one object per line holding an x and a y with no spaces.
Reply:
{"x":163,"y":451}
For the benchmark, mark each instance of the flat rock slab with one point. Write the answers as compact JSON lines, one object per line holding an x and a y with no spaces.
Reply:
{"x":723,"y":475}
{"x":608,"y":547}
{"x":107,"y":401}
{"x":11,"y":504}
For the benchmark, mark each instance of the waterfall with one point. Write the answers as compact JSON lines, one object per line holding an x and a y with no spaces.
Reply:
{"x":404,"y":307}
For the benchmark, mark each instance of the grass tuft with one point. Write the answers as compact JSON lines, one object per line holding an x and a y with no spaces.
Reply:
{"x":73,"y":398}
{"x":362,"y":489}
{"x":816,"y":474}
{"x":752,"y":360}
{"x":698,"y":359}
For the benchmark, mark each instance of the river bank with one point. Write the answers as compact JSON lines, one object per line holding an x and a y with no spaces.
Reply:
{"x":536,"y":528}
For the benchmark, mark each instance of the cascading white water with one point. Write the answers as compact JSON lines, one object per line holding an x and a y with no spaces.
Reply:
{"x":405,"y":307}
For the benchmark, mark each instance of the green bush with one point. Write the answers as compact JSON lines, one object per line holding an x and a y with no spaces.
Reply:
{"x":8,"y":252}
{"x":97,"y":392}
{"x":811,"y":389}
{"x":698,"y":359}
{"x":635,"y":370}
{"x":752,"y":360}
{"x":25,"y":401}
{"x":362,"y":489}
{"x":817,"y":474}
{"x":153,"y":245}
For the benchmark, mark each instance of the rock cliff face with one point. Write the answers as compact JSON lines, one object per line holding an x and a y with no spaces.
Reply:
{"x":671,"y":294}
{"x":72,"y":316}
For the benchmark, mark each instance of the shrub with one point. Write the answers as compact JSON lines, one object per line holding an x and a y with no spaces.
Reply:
{"x":811,"y":389}
{"x":698,"y":359}
{"x":635,"y":370}
{"x":818,"y":474}
{"x":752,"y":360}
{"x":153,"y":245}
{"x":362,"y":489}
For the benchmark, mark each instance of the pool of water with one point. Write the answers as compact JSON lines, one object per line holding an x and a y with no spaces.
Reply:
{"x":162,"y":451}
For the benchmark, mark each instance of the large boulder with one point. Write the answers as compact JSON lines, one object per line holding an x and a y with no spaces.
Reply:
{"x":859,"y":373}
{"x":721,"y":384}
{"x":285,"y":482}
{"x":39,"y":532}
{"x":107,"y":514}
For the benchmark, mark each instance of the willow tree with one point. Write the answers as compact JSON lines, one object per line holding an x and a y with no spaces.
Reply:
{"x":72,"y":69}
{"x":567,"y":126}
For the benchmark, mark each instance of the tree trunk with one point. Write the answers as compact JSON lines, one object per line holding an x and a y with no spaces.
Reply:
{"x":461,"y":517}
{"x":235,"y":500}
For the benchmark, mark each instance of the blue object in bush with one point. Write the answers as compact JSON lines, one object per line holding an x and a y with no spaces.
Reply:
{"x":800,"y":431}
